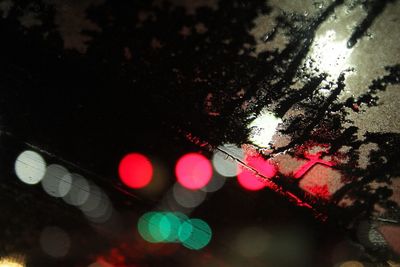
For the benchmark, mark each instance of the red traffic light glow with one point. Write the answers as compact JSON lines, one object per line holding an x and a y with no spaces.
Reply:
{"x":193,"y":171}
{"x":135,"y":170}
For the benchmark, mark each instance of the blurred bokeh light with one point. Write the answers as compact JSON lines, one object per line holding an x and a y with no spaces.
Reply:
{"x":188,"y":198}
{"x":251,"y":242}
{"x":55,"y":242}
{"x":193,"y":171}
{"x":249,"y":178}
{"x":98,"y":208}
{"x":156,"y":227}
{"x":30,"y":167}
{"x":216,"y":183}
{"x":195,"y":234}
{"x":135,"y":170}
{"x":56,"y":181}
{"x":12,"y":262}
{"x":227,"y":165}
{"x":351,"y":264}
{"x":79,"y":192}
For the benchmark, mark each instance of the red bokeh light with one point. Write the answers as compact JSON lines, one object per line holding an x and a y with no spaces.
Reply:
{"x":135,"y":170}
{"x":193,"y":171}
{"x":248,"y":179}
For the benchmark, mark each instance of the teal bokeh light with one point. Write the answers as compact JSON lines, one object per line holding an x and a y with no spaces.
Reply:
{"x":157,"y":227}
{"x":170,"y":225}
{"x":158,"y":230}
{"x":143,"y":227}
{"x":195,"y":234}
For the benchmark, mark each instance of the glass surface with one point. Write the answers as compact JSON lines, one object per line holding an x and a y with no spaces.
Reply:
{"x":200,"y":133}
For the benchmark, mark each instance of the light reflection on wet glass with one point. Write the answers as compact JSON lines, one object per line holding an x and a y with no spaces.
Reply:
{"x":263,"y":128}
{"x":329,"y":54}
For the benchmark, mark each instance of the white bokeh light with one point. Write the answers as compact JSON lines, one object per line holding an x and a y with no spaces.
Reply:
{"x":263,"y":128}
{"x":30,"y":167}
{"x":217,"y":182}
{"x":169,"y":203}
{"x":97,"y":208}
{"x":188,"y":198}
{"x":55,"y":242}
{"x":251,"y":242}
{"x":94,"y":200}
{"x":225,"y":164}
{"x":57,"y":181}
{"x":79,"y":192}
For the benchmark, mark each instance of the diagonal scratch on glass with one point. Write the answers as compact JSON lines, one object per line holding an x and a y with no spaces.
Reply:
{"x":73,"y":165}
{"x":267,"y":181}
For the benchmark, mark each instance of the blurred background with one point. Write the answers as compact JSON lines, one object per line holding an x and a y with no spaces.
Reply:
{"x":199,"y":133}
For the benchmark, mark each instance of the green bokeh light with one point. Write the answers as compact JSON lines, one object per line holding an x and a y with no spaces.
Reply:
{"x":170,"y":224}
{"x":158,"y":230}
{"x":156,"y":227}
{"x":143,"y":227}
{"x":195,"y":234}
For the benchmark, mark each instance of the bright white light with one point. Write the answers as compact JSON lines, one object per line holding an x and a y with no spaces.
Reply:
{"x":188,"y":198}
{"x":263,"y":128}
{"x":224,"y":164}
{"x":11,"y":262}
{"x":330,"y":54}
{"x":57,"y":181}
{"x":79,"y":192}
{"x":55,"y":242}
{"x":30,"y":167}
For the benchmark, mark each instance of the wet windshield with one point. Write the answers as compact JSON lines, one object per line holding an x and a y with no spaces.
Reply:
{"x":200,"y":133}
